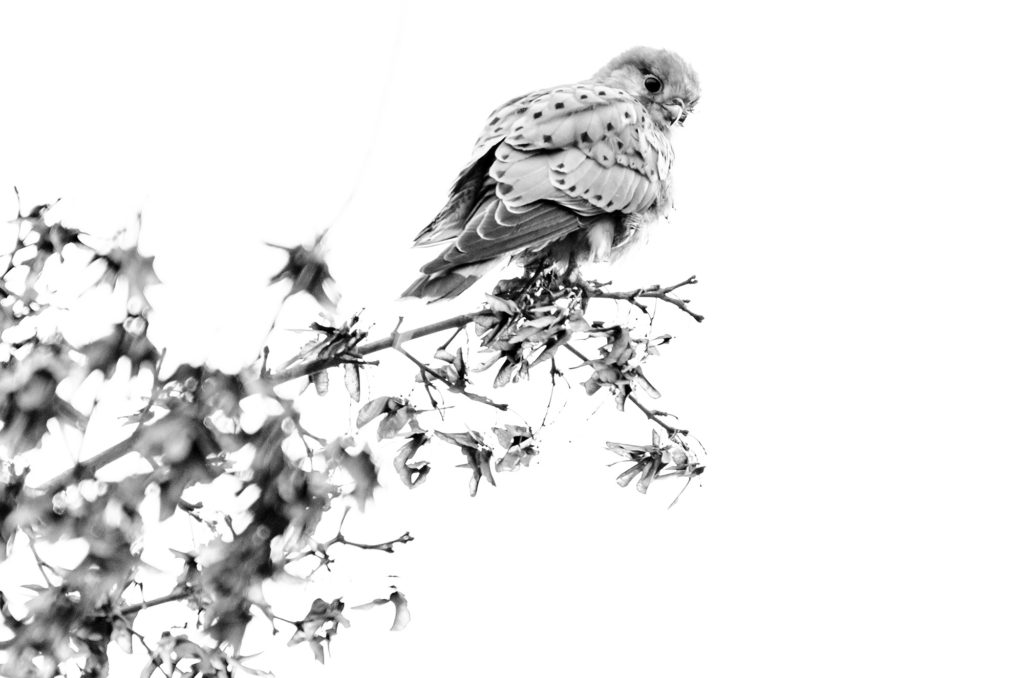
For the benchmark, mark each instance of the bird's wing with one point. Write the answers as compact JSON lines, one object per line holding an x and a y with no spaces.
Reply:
{"x":562,"y":158}
{"x":609,"y":127}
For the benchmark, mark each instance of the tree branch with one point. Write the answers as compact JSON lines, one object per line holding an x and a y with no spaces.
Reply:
{"x":671,"y":430}
{"x":387,"y":546}
{"x":319,"y":551}
{"x":652,"y":292}
{"x":320,"y":364}
{"x":87,"y":468}
{"x":180,"y":594}
{"x":90,"y":466}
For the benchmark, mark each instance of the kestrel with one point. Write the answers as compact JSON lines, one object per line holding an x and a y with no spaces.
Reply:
{"x":564,"y":175}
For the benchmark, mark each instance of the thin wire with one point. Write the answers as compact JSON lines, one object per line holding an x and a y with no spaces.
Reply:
{"x":382,"y":103}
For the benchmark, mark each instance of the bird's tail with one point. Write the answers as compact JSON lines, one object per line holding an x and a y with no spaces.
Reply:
{"x":449,"y":284}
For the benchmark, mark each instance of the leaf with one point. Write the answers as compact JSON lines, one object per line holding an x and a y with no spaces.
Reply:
{"x":646,"y":385}
{"x":393,"y":422}
{"x":484,"y":322}
{"x":542,"y":321}
{"x":311,"y":629}
{"x":651,"y":468}
{"x":507,"y":435}
{"x":461,"y":439}
{"x":620,"y":346}
{"x":360,"y":468}
{"x":524,"y":333}
{"x":444,"y":356}
{"x":493,"y":358}
{"x":148,"y":669}
{"x":552,"y":345}
{"x":627,"y":476}
{"x":307,"y":271}
{"x":504,"y":375}
{"x":459,"y":365}
{"x":321,"y":382}
{"x":578,"y":323}
{"x":135,"y":270}
{"x":352,"y":381}
{"x":401,"y":608}
{"x":372,"y":410}
{"x":478,"y":459}
{"x":412,"y":474}
{"x":55,"y":238}
{"x":121,"y":635}
{"x":104,"y":353}
{"x":501,"y":305}
{"x":517,"y":457}
{"x":478,"y":455}
{"x":520,"y":448}
{"x":620,"y":398}
{"x":402,"y":616}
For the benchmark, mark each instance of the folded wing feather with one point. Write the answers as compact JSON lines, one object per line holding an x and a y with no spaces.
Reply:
{"x":548,"y":164}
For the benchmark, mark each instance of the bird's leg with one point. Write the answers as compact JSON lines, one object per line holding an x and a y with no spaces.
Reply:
{"x":574,"y":279}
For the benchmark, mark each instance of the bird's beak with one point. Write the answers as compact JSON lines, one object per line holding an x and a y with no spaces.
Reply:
{"x":676,"y":111}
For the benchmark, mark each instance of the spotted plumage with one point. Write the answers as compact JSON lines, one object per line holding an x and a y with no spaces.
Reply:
{"x":563,"y":175}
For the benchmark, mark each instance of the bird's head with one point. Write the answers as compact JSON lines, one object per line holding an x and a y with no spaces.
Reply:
{"x":660,"y":79}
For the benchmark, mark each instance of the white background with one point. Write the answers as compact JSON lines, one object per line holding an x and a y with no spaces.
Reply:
{"x":849,"y":195}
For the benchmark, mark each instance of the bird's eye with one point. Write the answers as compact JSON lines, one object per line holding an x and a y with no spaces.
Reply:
{"x":652,"y":83}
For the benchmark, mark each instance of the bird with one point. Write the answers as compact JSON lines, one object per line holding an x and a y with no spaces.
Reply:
{"x":564,"y":175}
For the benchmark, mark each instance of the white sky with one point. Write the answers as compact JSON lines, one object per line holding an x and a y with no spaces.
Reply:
{"x":849,"y":196}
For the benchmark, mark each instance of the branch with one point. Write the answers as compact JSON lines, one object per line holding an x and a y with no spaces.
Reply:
{"x":40,"y":563}
{"x":671,"y":430}
{"x":454,"y":388}
{"x":145,"y":645}
{"x":319,"y":551}
{"x":180,"y":594}
{"x":320,"y":364}
{"x":652,"y":292}
{"x":87,"y":468}
{"x":387,"y":546}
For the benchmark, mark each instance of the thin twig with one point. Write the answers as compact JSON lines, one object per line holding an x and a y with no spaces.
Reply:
{"x":87,"y":468}
{"x":454,"y":388}
{"x":449,"y":340}
{"x":40,"y":563}
{"x":671,"y":430}
{"x":551,"y":396}
{"x":320,"y":550}
{"x":320,"y":364}
{"x":652,"y":292}
{"x":18,"y":241}
{"x":433,"y":328}
{"x":387,"y":546}
{"x":576,"y":352}
{"x":174,"y":596}
{"x":145,"y":646}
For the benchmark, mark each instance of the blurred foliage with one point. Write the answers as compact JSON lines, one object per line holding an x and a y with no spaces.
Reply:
{"x":199,"y":427}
